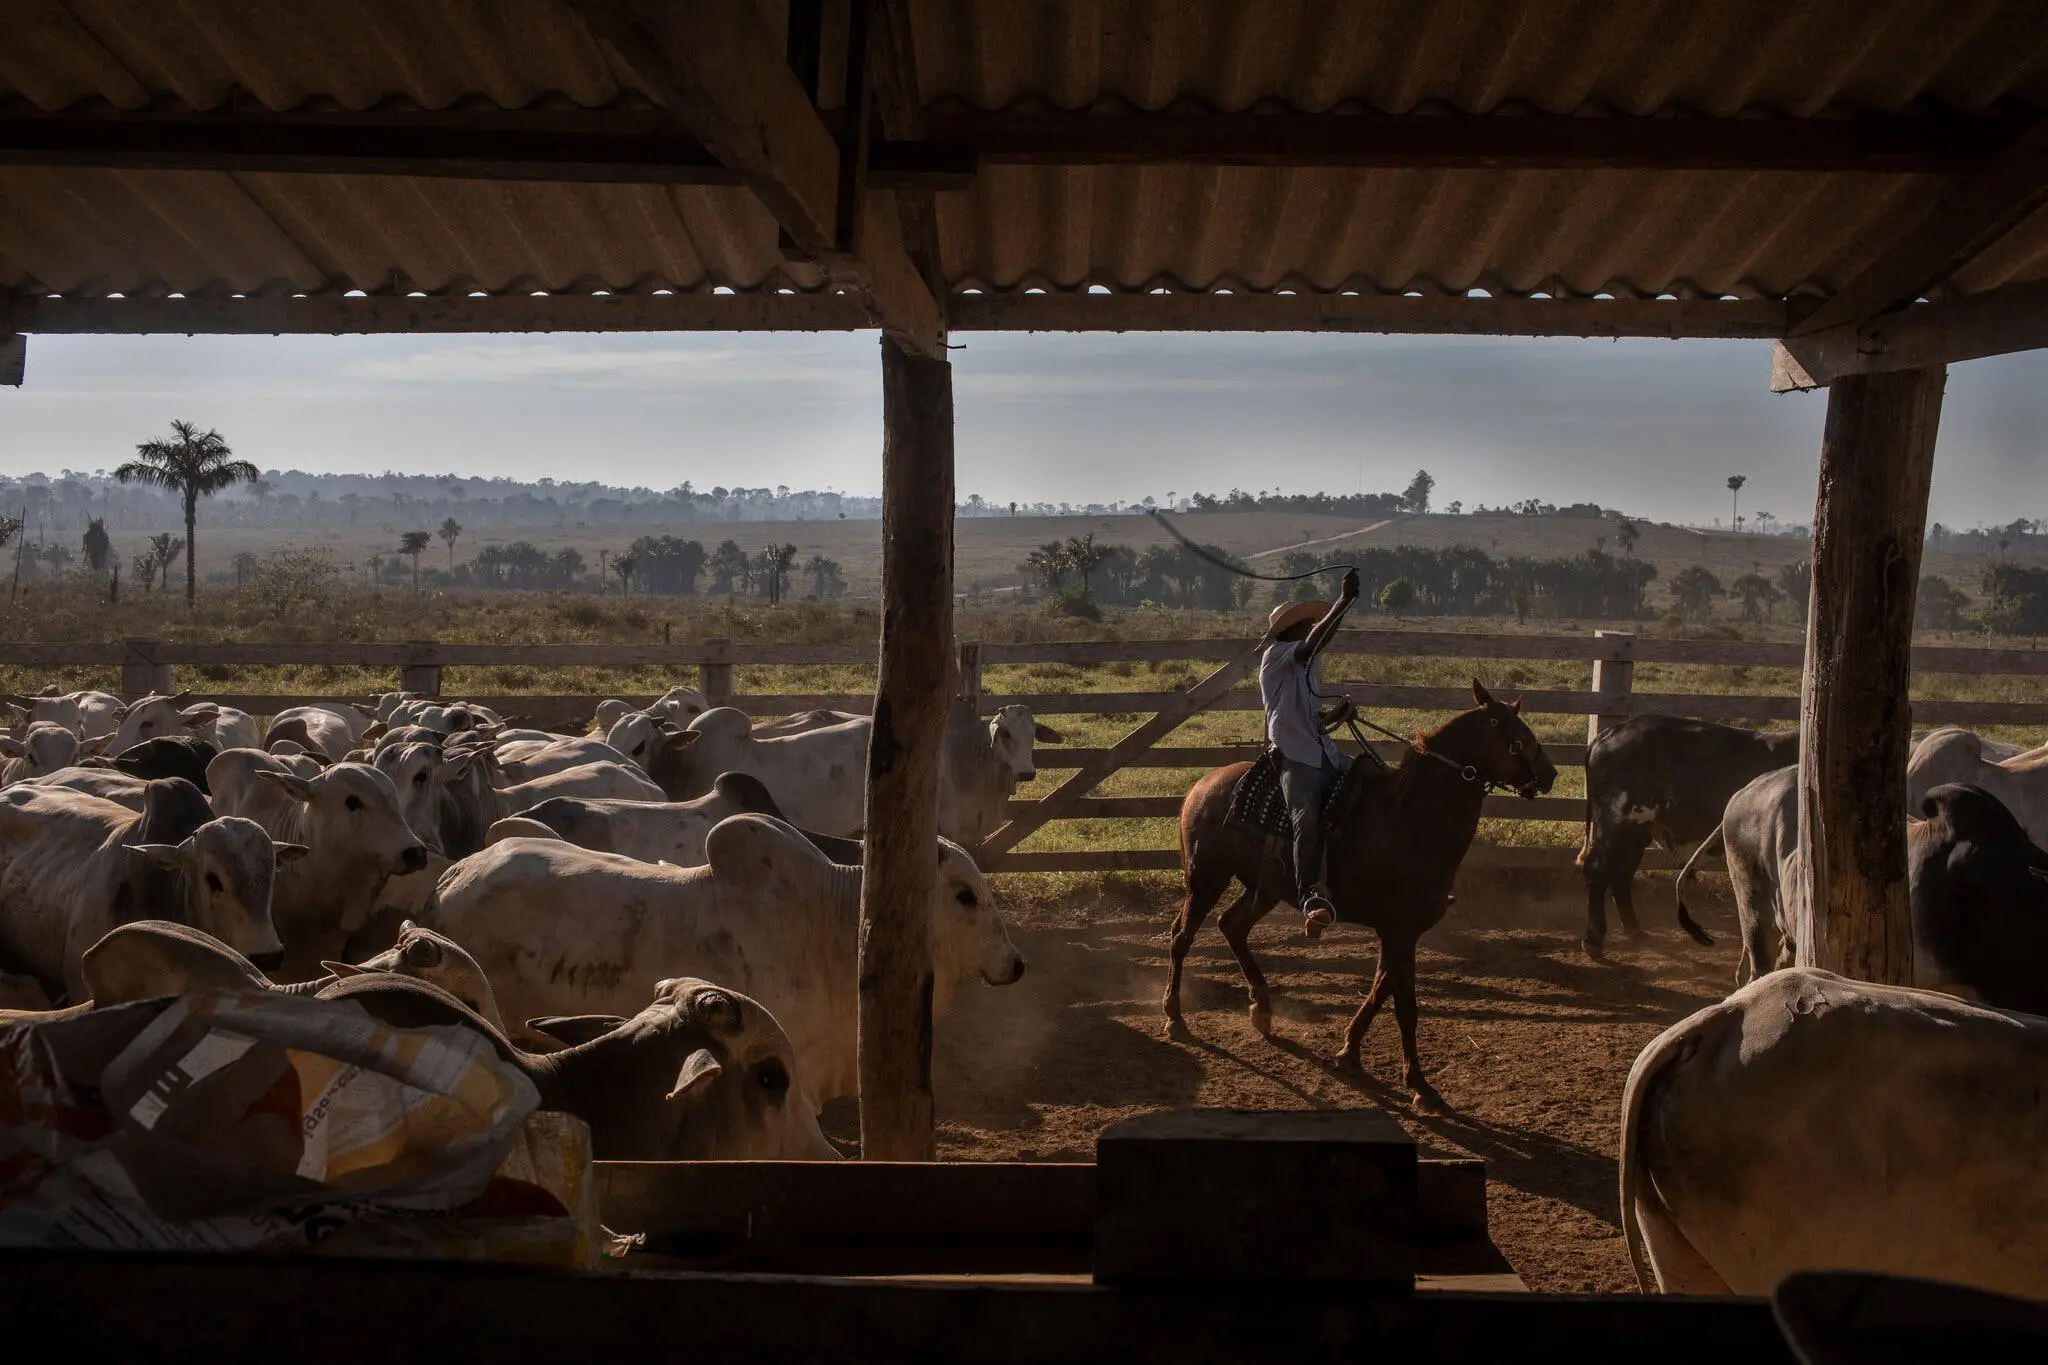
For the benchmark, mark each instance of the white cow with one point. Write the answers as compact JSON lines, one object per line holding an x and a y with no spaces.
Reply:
{"x":349,"y":816}
{"x":326,"y":728}
{"x":2019,"y":778}
{"x":152,"y":716}
{"x":88,"y":714}
{"x":73,"y":866}
{"x":1811,"y":1121}
{"x":148,"y":958}
{"x":817,"y":772}
{"x":44,"y":747}
{"x":671,"y":832}
{"x":522,"y":760}
{"x":438,"y":801}
{"x":564,"y":930}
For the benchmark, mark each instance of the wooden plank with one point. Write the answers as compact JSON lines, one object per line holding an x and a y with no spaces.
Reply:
{"x":63,"y":655}
{"x":913,"y":693}
{"x":589,"y":147}
{"x":1881,"y":143}
{"x":2012,"y":317}
{"x":1969,"y":218}
{"x":1215,"y":756}
{"x":1869,"y":522}
{"x":170,"y":1309}
{"x":1158,"y":807}
{"x":1512,"y":857}
{"x":1436,"y":314}
{"x":858,"y":1217}
{"x":337,"y":315}
{"x":1168,"y":717}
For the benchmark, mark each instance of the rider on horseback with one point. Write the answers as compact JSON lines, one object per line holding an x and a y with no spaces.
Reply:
{"x":1310,"y":764}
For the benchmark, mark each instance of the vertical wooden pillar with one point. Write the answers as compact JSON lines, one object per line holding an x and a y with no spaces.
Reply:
{"x":714,"y":675}
{"x":1876,"y":458}
{"x":141,"y":674}
{"x":967,"y":686}
{"x":419,"y":676}
{"x":1612,"y":675}
{"x":912,"y":692}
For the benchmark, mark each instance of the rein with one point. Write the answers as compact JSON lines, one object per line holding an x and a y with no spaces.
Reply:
{"x":1465,"y":771}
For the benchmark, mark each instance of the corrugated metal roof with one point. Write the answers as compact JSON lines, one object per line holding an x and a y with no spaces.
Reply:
{"x":1622,"y":232}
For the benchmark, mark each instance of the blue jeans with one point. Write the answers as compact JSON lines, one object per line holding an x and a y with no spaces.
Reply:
{"x":1306,"y":786}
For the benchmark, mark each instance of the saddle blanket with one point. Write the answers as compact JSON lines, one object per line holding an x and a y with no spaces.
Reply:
{"x":1257,"y":802}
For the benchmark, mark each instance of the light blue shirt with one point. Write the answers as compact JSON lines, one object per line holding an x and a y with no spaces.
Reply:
{"x":1288,"y":692}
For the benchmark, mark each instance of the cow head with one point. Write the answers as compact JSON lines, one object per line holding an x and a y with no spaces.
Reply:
{"x":1011,"y":734}
{"x":225,"y":870}
{"x":46,"y":747}
{"x":64,"y":711}
{"x":354,"y":810}
{"x":412,"y":769}
{"x":703,"y":1073}
{"x":151,"y":717}
{"x":681,"y":705}
{"x":642,"y":735}
{"x":968,"y":937}
{"x":427,"y":956}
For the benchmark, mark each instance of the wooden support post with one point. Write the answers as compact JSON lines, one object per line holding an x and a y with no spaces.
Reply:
{"x":417,"y":676}
{"x":13,"y":358}
{"x":141,"y":674}
{"x":912,"y":692}
{"x":1876,"y":458}
{"x":1612,"y":675}
{"x":714,"y":675}
{"x":968,"y":687}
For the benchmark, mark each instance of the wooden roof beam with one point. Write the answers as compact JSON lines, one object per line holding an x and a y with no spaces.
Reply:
{"x":598,"y":147}
{"x":1962,"y":224}
{"x":1998,"y":321}
{"x":335,"y":314}
{"x":1881,"y":143}
{"x":717,"y":69}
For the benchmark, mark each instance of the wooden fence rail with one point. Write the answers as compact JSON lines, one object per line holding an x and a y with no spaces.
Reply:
{"x":149,"y":665}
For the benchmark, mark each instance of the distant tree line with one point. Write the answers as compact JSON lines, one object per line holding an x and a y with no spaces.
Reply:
{"x":663,"y":566}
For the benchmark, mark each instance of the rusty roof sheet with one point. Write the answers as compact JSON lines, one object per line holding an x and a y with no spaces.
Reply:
{"x":1623,"y":232}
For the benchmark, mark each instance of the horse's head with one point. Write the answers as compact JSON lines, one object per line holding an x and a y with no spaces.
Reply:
{"x":1504,"y":750}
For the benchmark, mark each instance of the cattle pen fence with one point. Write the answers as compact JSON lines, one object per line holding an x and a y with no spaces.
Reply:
{"x":150,"y":666}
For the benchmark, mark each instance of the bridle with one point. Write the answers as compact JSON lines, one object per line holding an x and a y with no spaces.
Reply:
{"x":1466,"y":772}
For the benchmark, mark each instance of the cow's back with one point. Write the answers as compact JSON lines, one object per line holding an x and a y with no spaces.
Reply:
{"x":56,"y":852}
{"x":1814,"y":1121}
{"x":1676,"y":774}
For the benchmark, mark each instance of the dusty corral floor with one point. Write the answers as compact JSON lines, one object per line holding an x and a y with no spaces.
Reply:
{"x":1527,"y":1040}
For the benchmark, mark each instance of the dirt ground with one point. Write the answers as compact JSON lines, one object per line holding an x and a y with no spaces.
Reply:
{"x":1528,"y":1041}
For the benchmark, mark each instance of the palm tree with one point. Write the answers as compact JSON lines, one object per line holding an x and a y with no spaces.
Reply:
{"x":450,"y":532}
{"x":1735,"y":482}
{"x":623,"y":566}
{"x":164,"y":549}
{"x":195,"y":466}
{"x":414,"y":543}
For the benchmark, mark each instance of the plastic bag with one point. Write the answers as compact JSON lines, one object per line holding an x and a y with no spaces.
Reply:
{"x":239,"y":1121}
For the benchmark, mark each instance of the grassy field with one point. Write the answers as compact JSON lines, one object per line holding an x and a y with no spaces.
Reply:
{"x":988,"y":549}
{"x":50,"y":614}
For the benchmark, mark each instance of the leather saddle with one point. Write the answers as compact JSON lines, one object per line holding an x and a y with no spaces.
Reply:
{"x":1257,"y":803}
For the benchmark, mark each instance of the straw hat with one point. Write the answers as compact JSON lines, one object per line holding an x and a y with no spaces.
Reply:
{"x":1290,"y":614}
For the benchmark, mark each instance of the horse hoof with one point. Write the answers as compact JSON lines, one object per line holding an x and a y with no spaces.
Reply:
{"x":1633,"y":933}
{"x":1262,"y":1019}
{"x":1427,"y":1101}
{"x":1177,"y":1030}
{"x":1594,"y":949}
{"x":1347,"y":1062}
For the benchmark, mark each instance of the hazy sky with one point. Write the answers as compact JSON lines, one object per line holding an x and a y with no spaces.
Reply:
{"x":1652,"y":427}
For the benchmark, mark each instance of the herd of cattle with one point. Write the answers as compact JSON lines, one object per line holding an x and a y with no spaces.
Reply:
{"x":1810,"y":1120}
{"x":659,"y":924}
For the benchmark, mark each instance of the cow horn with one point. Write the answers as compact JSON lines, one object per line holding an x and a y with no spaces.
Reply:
{"x":420,"y":951}
{"x":574,"y":1029}
{"x":347,"y":969}
{"x":700,"y":1068}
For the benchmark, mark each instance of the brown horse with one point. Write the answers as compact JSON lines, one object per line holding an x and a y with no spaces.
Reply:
{"x":1394,"y":849}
